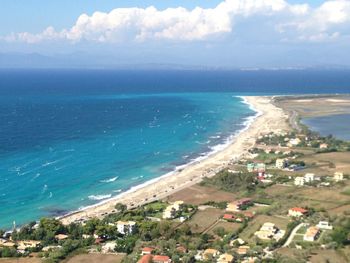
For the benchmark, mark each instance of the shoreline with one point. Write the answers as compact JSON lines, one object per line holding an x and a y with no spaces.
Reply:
{"x":268,"y":118}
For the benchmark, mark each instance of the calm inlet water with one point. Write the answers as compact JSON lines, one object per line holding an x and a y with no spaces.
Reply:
{"x":337,"y":125}
{"x":69,"y":139}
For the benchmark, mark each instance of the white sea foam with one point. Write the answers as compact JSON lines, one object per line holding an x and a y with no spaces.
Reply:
{"x":99,"y":197}
{"x":109,"y":180}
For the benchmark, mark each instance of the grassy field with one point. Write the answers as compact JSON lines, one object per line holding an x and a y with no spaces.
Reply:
{"x":202,"y":220}
{"x":20,"y":260}
{"x":325,"y":256}
{"x":228,"y":226}
{"x":328,"y":163}
{"x":197,"y":195}
{"x":95,"y":258}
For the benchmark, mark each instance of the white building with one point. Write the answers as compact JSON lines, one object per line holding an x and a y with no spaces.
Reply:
{"x":126,"y":228}
{"x":299,"y":181}
{"x":312,"y":233}
{"x":294,"y":142}
{"x":309,"y":177}
{"x":324,"y":225}
{"x":338,"y":176}
{"x":281,"y":163}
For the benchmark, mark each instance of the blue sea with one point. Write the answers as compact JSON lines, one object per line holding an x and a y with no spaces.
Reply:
{"x":72,"y":138}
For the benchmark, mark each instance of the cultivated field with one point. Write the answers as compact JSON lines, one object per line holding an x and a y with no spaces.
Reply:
{"x":202,"y":220}
{"x":197,"y":195}
{"x":20,"y":260}
{"x":95,"y":258}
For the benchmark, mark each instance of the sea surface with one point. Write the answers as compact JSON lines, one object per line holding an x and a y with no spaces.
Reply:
{"x":337,"y":125}
{"x":72,"y":138}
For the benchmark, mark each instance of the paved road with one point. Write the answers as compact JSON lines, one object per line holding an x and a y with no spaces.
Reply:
{"x":292,"y":234}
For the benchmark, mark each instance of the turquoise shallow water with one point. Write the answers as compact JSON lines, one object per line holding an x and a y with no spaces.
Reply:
{"x":63,"y":152}
{"x":337,"y":125}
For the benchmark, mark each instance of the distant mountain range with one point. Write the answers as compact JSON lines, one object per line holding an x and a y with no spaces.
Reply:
{"x":82,"y":60}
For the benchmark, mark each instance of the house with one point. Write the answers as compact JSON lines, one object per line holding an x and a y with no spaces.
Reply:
{"x":238,"y":241}
{"x":269,"y":231}
{"x":6,"y":243}
{"x":294,"y":142}
{"x":299,"y":181}
{"x":311,"y":234}
{"x":243,"y":250}
{"x":147,"y":251}
{"x":161,"y":259}
{"x":323,"y":146}
{"x":210,"y":253}
{"x":239,"y":205}
{"x":309,"y":177}
{"x":297,"y":212}
{"x":126,"y":227}
{"x":171,"y":211}
{"x":22,"y":245}
{"x":256,"y":167}
{"x":225,"y":258}
{"x":281,"y":163}
{"x":324,"y":225}
{"x":228,"y":217}
{"x":338,"y":176}
{"x":61,"y":237}
{"x":145,"y":259}
{"x":248,"y":215}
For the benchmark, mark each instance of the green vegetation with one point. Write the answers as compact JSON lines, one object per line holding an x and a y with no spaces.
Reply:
{"x":227,"y":181}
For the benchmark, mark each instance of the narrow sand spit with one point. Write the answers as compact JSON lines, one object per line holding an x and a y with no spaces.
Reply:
{"x":271,"y":118}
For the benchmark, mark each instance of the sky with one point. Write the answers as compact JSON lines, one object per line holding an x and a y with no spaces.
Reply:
{"x":208,"y":33}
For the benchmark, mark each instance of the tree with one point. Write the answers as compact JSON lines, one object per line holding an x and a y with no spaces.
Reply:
{"x":220,"y":231}
{"x":120,"y":207}
{"x":126,"y":244}
{"x":90,"y":226}
{"x":51,"y":225}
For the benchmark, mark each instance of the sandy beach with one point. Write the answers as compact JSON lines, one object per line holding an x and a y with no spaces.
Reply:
{"x":270,"y":118}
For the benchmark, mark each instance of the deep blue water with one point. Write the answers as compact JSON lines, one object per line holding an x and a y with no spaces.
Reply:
{"x":71,"y":138}
{"x":337,"y":125}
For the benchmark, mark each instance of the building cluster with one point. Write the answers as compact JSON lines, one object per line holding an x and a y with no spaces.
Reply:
{"x":269,"y":231}
{"x":306,"y":179}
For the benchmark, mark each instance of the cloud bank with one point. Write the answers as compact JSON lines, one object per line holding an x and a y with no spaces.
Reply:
{"x":289,"y":22}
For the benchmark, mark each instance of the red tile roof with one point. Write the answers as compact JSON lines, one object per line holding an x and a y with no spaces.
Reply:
{"x":159,"y":258}
{"x":299,"y":209}
{"x":228,"y":216}
{"x":145,"y":259}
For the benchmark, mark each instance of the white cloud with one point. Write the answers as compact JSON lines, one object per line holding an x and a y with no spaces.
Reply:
{"x":293,"y":22}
